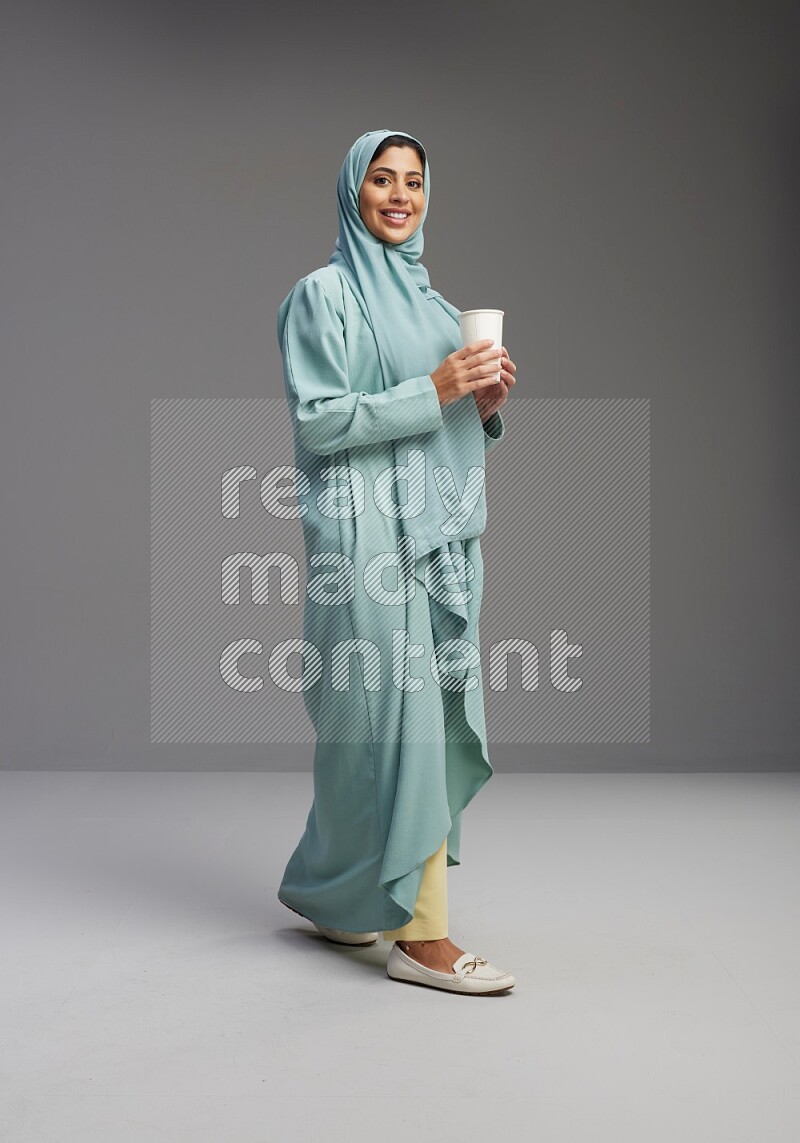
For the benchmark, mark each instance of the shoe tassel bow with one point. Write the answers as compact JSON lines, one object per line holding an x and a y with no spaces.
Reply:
{"x":470,"y":966}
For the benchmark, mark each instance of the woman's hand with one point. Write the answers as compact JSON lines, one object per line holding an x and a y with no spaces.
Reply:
{"x":492,"y":397}
{"x":468,"y":370}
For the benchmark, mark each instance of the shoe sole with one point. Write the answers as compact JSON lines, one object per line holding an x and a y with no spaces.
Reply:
{"x":344,"y":944}
{"x":444,"y":988}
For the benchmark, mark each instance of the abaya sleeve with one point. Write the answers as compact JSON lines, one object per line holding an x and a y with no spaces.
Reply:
{"x":328,"y":415}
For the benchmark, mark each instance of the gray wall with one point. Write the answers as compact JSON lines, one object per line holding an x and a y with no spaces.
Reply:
{"x":628,"y":177}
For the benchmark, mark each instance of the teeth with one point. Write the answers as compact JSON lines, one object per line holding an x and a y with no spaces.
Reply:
{"x":391,"y":214}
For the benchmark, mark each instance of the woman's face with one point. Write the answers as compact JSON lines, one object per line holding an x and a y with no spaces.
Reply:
{"x":393,"y":184}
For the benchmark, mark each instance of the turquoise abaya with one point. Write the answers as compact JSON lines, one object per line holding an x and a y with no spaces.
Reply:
{"x":394,"y":571}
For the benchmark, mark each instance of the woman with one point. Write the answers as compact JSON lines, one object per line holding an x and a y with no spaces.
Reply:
{"x":384,"y":399}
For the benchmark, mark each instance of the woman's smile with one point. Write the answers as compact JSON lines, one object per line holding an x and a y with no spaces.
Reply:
{"x":396,"y":218}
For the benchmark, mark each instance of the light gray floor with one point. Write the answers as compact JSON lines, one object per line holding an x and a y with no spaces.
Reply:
{"x":154,"y":989}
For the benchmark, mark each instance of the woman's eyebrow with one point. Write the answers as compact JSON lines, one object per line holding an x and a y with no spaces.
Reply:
{"x":391,"y":172}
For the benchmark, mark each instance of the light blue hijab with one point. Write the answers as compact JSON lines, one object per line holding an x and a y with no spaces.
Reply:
{"x":388,"y":279}
{"x":413,"y":334}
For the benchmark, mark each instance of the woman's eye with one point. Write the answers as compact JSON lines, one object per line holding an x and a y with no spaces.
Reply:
{"x":414,"y":182}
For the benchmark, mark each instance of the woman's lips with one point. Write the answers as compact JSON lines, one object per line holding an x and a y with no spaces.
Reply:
{"x":395,"y":221}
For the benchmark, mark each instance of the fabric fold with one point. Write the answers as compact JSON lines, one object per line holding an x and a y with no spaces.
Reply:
{"x":460,"y":753}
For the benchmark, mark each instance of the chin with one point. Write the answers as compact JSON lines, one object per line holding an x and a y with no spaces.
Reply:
{"x":395,"y":239}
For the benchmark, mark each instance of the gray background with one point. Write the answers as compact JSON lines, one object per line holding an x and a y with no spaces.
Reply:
{"x":622,"y":179}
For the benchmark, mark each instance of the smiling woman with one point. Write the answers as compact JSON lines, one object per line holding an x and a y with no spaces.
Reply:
{"x":377,"y":381}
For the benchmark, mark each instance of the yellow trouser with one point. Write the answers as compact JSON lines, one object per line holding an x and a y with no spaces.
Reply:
{"x":429,"y":922}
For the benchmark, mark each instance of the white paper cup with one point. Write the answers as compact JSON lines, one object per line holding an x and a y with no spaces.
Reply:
{"x":476,"y":325}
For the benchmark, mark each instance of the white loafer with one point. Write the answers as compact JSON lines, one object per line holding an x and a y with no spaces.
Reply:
{"x":342,"y":937}
{"x":338,"y":936}
{"x":471,"y":975}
